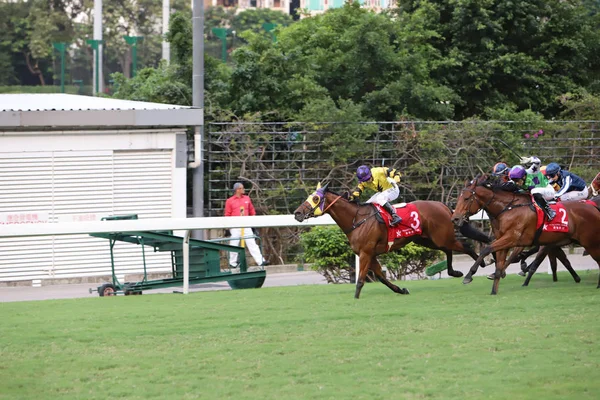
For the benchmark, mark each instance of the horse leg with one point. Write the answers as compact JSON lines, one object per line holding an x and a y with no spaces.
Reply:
{"x":484,"y":252}
{"x":501,"y":265}
{"x":536,"y":263}
{"x":376,"y":268}
{"x":560,"y":254}
{"x":364,"y":262}
{"x":553,"y":266}
{"x":451,"y":271}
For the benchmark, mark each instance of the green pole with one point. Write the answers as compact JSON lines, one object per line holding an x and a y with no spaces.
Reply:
{"x":269,"y":27}
{"x":221,"y":33}
{"x":61,"y":47}
{"x":132,"y":41}
{"x":95,"y":43}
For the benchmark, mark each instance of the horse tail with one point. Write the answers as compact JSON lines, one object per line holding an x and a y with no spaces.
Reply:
{"x":472,"y":233}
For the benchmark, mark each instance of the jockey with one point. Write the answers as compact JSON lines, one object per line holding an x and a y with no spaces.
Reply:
{"x":500,"y":171}
{"x":518,"y":175}
{"x":385,"y":182}
{"x":535,"y":177}
{"x":570,"y":186}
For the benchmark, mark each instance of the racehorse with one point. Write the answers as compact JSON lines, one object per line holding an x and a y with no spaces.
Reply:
{"x":517,"y":220}
{"x":368,"y":237}
{"x":595,"y":187}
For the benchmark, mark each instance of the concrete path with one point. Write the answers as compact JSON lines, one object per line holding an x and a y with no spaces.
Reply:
{"x":461,"y":263}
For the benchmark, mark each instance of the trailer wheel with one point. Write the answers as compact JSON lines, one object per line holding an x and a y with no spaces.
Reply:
{"x":108,"y":289}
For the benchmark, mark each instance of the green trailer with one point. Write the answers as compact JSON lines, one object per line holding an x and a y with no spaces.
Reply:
{"x":204,"y":262}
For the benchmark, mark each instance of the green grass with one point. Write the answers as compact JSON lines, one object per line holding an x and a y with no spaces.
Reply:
{"x":444,"y":341}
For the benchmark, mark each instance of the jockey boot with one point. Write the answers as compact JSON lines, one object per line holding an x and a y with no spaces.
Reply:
{"x":392,"y":211}
{"x":539,"y":199}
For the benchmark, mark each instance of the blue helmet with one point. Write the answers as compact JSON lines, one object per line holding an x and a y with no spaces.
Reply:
{"x":552,"y":169}
{"x":517,"y":172}
{"x":500,"y":169}
{"x":363,"y":173}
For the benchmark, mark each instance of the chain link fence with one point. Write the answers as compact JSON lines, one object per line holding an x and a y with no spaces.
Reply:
{"x":281,"y":163}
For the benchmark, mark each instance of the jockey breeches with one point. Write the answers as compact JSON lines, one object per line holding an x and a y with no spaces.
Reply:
{"x":575,"y":195}
{"x":385,"y":196}
{"x":547,"y":192}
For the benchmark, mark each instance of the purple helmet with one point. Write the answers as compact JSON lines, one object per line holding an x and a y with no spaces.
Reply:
{"x":363,"y":173}
{"x":517,"y":172}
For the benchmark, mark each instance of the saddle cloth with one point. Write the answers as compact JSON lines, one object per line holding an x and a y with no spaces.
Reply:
{"x":410,"y":225}
{"x":560,"y":223}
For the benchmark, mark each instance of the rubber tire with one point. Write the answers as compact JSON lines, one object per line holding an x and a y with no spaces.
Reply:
{"x":108,"y":289}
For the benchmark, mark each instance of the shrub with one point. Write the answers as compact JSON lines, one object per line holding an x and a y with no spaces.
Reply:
{"x":327,"y":248}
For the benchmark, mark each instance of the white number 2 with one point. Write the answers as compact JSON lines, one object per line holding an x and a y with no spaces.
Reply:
{"x":415,"y":217}
{"x":564,"y":216}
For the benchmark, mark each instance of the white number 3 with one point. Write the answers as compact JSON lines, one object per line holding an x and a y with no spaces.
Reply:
{"x":415,"y":216}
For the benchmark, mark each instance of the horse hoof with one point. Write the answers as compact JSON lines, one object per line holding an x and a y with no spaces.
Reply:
{"x":577,"y":280}
{"x":457,"y":274}
{"x":405,"y":291}
{"x":466,"y":280}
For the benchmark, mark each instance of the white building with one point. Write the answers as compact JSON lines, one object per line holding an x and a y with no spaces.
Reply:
{"x":78,"y":158}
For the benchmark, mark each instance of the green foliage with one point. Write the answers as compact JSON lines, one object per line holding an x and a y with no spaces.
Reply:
{"x":254,"y":18}
{"x":154,"y":85}
{"x":327,"y":248}
{"x":511,"y":52}
{"x":42,"y":89}
{"x":411,"y":260}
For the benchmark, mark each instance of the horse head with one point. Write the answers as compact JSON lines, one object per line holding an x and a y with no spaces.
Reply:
{"x":596,"y":185}
{"x":313,"y":206}
{"x":469,"y":201}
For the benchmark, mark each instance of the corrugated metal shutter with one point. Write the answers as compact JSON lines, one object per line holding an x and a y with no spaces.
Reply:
{"x":95,"y":183}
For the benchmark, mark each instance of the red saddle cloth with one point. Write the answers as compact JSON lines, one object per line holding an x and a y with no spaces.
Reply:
{"x":560,"y":223}
{"x":591,"y":203}
{"x":410,"y":225}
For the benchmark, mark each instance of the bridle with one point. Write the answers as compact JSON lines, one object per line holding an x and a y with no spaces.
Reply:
{"x":483,"y":206}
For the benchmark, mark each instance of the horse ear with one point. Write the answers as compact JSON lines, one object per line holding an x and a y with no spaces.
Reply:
{"x":325,"y":187}
{"x":318,"y":185}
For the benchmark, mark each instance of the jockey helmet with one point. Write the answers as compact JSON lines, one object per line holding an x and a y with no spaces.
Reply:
{"x":517,"y":172}
{"x":500,"y":169}
{"x":363,"y":173}
{"x":543,"y":169}
{"x":552,"y":169}
{"x":535,"y":160}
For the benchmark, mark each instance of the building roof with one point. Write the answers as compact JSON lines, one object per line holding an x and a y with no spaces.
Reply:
{"x":74,"y":111}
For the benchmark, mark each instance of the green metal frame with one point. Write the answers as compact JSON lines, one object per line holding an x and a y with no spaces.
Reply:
{"x":205,"y":262}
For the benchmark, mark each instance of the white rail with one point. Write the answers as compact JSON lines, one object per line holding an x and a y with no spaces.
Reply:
{"x":161,"y":224}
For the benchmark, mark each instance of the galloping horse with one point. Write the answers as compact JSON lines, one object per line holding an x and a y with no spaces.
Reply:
{"x":517,"y":219}
{"x":595,"y":187}
{"x":368,"y":237}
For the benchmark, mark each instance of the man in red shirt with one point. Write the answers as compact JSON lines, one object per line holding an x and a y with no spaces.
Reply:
{"x":240,"y":205}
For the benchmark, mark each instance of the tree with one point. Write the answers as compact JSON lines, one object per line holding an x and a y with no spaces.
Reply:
{"x":526,"y":52}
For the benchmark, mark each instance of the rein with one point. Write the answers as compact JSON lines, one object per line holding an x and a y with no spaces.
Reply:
{"x":484,"y":206}
{"x":332,"y":203}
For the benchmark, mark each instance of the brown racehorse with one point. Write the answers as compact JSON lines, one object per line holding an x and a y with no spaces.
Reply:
{"x":517,"y":220}
{"x":368,"y":237}
{"x":595,"y":187}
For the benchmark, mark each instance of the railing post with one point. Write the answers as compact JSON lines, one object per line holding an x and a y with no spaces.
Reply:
{"x":186,"y":262}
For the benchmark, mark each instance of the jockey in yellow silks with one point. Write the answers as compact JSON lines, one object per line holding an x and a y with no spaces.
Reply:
{"x":384,"y":181}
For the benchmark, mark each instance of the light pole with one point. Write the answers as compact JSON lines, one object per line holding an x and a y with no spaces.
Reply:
{"x":269,"y":27}
{"x":221,"y":33}
{"x":132,"y":41}
{"x":61,"y":47}
{"x":97,"y":46}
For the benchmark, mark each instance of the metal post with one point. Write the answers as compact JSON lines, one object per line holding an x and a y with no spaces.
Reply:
{"x":61,"y":47}
{"x":166,"y":46}
{"x":198,"y":101}
{"x":96,"y":45}
{"x":132,"y":41}
{"x":186,"y":262}
{"x":269,"y":27}
{"x":221,"y":33}
{"x":99,"y":86}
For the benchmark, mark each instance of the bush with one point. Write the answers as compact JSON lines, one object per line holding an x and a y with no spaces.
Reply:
{"x":327,"y":248}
